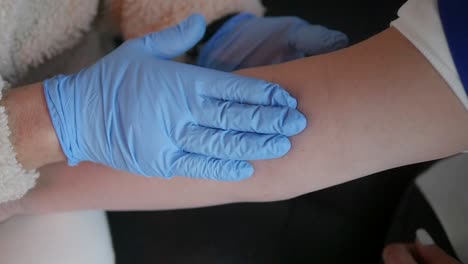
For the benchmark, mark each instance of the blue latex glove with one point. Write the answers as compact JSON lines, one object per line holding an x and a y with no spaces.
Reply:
{"x":136,"y":111}
{"x":247,"y":41}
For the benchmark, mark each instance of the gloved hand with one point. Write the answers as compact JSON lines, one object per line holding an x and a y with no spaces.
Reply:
{"x":248,"y":41}
{"x":136,"y":111}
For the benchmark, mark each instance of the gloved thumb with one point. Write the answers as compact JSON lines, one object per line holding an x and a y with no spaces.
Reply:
{"x":174,"y":41}
{"x":315,"y":39}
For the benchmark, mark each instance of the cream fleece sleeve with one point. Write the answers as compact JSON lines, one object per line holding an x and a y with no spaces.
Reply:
{"x":33,"y":32}
{"x":15,"y":181}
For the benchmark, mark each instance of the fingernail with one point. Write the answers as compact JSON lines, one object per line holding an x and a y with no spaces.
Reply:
{"x":298,"y":123}
{"x":423,"y":237}
{"x":279,"y":96}
{"x":292,"y":102}
{"x":245,"y":169}
{"x":283,"y":146}
{"x":195,"y":18}
{"x":340,"y":40}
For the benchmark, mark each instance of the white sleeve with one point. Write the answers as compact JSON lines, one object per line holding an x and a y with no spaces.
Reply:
{"x":420,"y":23}
{"x":15,"y":181}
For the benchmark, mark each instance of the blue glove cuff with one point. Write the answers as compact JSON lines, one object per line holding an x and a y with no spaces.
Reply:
{"x":57,"y":115}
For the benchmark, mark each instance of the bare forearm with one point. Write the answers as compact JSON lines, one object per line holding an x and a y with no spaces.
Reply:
{"x":374,"y":106}
{"x":33,"y":136}
{"x":371,"y":107}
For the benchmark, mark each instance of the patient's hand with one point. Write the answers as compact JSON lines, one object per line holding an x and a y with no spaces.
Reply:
{"x":247,"y":41}
{"x":416,"y":253}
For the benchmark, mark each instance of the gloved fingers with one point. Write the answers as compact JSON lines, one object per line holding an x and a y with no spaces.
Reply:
{"x":203,"y":167}
{"x":229,"y":115}
{"x":247,"y":91}
{"x":316,"y":39}
{"x":174,"y":41}
{"x":228,"y":144}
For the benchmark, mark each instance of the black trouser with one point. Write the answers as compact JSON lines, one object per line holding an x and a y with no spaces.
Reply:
{"x":347,"y":223}
{"x":415,"y":212}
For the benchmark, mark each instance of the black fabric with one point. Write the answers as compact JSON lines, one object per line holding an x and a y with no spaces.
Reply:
{"x":343,"y":224}
{"x":415,"y":212}
{"x":358,"y":19}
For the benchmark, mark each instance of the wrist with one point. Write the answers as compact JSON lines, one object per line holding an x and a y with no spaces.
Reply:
{"x":33,"y":136}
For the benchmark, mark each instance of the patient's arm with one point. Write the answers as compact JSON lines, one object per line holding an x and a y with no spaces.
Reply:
{"x":371,"y":107}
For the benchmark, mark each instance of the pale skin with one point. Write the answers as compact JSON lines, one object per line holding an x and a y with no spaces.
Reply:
{"x":370,"y":107}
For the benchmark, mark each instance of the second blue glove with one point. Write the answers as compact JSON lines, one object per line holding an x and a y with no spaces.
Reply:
{"x":248,"y":41}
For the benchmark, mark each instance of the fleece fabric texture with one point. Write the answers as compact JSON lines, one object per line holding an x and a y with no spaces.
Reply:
{"x":137,"y":18}
{"x":14,"y":180}
{"x":33,"y":32}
